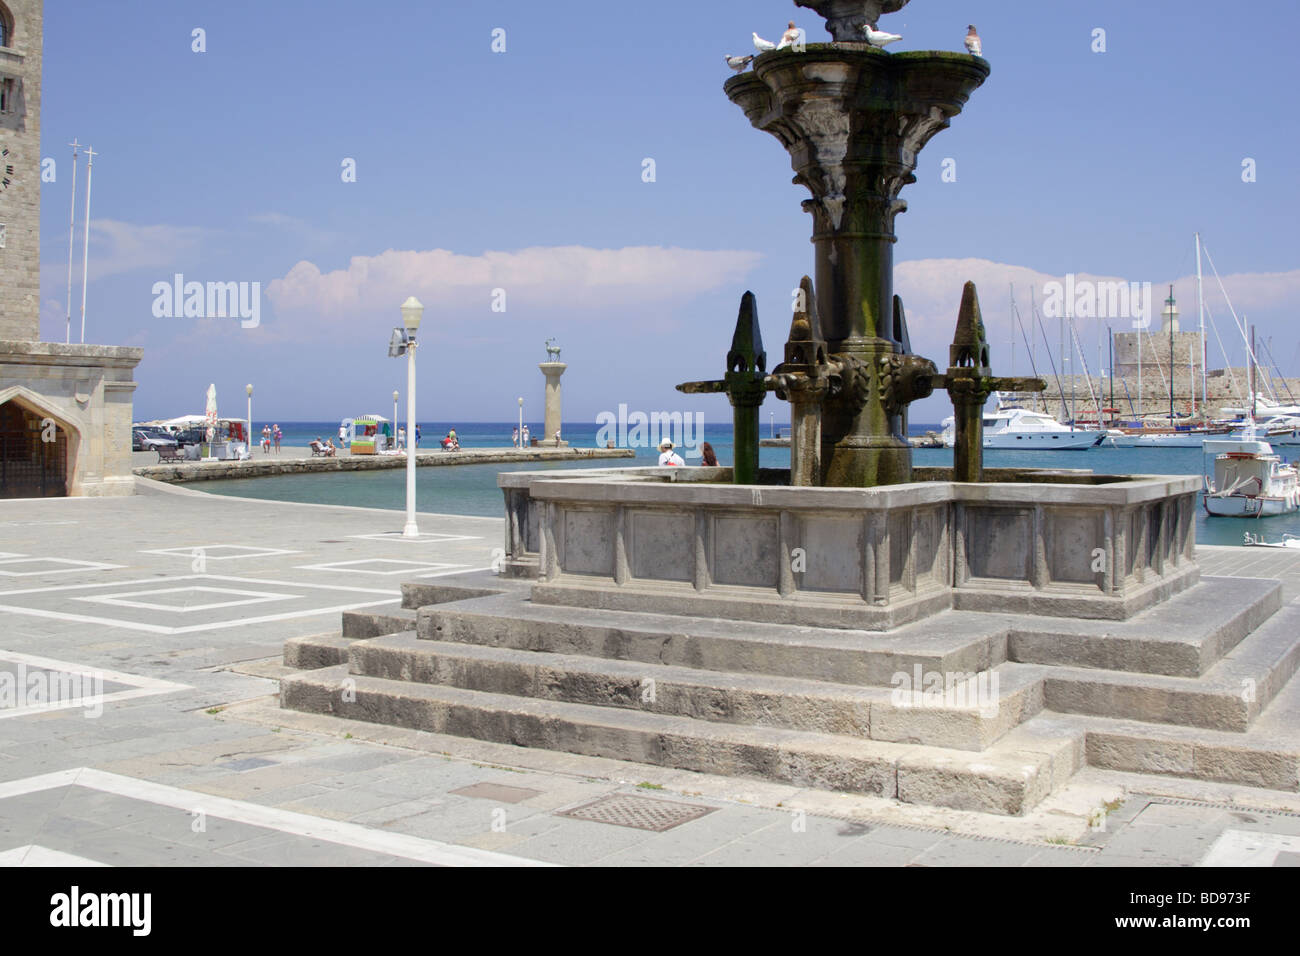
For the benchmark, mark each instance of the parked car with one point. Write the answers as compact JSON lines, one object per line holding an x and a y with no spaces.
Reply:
{"x":150,"y":439}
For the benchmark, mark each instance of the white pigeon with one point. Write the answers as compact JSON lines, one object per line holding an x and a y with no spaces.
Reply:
{"x":738,"y":63}
{"x":761,"y":45}
{"x":789,"y":38}
{"x":973,"y":44}
{"x":879,"y":37}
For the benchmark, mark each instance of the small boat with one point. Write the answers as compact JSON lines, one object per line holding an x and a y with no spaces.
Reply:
{"x":1249,"y":481}
{"x":1009,"y":427}
{"x":1290,"y":541}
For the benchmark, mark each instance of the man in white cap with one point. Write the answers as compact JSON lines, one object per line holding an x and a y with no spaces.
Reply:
{"x":667,"y":456}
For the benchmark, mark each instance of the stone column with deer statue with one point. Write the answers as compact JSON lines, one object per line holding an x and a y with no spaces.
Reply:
{"x":552,"y":368}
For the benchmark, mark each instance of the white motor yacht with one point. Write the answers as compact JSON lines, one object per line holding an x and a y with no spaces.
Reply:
{"x":1027,"y":430}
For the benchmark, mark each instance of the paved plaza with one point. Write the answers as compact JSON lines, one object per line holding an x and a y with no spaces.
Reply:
{"x":140,"y":647}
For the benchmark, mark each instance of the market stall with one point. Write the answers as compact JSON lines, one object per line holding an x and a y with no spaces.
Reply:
{"x":372,"y":435}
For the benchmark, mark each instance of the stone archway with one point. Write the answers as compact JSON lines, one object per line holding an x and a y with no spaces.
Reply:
{"x":37,"y":451}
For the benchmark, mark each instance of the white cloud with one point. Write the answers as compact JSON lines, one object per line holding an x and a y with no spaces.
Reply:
{"x":118,"y":247}
{"x":577,"y":277}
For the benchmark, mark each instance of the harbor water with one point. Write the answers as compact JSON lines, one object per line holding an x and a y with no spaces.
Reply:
{"x":472,"y":489}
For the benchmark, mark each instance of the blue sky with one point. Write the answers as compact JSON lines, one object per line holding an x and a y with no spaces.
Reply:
{"x":525,"y":168}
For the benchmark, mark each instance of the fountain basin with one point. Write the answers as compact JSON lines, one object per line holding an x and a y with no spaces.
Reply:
{"x":685,"y":541}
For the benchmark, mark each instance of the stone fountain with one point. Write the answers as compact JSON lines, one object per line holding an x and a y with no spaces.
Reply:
{"x":771,"y":612}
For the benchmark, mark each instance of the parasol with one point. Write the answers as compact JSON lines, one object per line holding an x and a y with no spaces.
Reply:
{"x":210,"y":411}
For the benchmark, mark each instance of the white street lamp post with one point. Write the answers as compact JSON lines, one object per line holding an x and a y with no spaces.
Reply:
{"x":248,"y":439}
{"x":521,"y":422}
{"x":412,"y":311}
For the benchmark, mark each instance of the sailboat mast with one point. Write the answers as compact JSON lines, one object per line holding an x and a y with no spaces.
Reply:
{"x":1033,"y":339}
{"x":1200,"y":306}
{"x":1171,"y":355}
{"x":1012,"y":288}
{"x":1110,"y":348}
{"x":1252,"y":373}
{"x":1065,"y":366}
{"x":1139,"y":399}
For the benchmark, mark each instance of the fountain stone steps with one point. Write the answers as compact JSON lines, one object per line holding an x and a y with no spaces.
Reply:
{"x":971,"y":715}
{"x":1229,"y":696}
{"x":946,"y":643}
{"x":1184,"y":637}
{"x":813,"y":706}
{"x":1002,"y":779}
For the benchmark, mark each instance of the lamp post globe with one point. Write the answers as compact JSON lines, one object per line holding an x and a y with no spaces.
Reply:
{"x":412,"y":312}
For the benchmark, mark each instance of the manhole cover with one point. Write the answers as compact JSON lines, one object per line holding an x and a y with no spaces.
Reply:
{"x":498,"y":792}
{"x":641,"y":813}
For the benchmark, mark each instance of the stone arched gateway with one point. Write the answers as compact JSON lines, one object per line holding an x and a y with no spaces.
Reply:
{"x":37,"y":448}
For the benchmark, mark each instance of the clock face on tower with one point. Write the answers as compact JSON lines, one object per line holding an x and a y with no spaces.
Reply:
{"x":6,"y":169}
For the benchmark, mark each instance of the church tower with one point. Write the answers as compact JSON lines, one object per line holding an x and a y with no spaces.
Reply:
{"x":20,"y":169}
{"x":65,"y":408}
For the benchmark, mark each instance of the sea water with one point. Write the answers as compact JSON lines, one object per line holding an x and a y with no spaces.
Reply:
{"x":472,"y":489}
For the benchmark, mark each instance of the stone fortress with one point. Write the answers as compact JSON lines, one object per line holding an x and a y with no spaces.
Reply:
{"x":65,"y":409}
{"x":1147,"y":393}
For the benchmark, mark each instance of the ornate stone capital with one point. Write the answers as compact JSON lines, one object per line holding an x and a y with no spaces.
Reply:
{"x":854,"y":120}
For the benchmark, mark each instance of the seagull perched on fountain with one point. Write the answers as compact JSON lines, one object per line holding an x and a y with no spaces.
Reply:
{"x":973,"y":44}
{"x":789,"y":37}
{"x":738,"y":63}
{"x":878,"y":37}
{"x":761,"y":45}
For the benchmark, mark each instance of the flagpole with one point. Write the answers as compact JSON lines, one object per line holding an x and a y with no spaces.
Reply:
{"x":85,"y":255}
{"x":72,"y":236}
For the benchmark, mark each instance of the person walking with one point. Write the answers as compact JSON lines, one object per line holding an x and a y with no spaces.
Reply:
{"x":278,"y":435}
{"x":417,"y":435}
{"x":266,"y":439}
{"x":343,"y":435}
{"x":523,"y":438}
{"x":514,"y":437}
